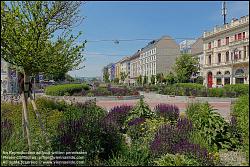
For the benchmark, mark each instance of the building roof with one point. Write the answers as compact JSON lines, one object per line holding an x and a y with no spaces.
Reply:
{"x":154,"y":42}
{"x":135,"y":55}
{"x":125,"y":59}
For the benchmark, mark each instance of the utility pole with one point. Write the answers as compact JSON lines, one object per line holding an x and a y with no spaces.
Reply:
{"x":224,"y":11}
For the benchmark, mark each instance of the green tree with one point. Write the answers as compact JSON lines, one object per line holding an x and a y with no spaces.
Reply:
{"x":199,"y":80}
{"x":116,"y":80}
{"x":152,"y":79}
{"x":184,"y":67}
{"x":69,"y":78}
{"x":28,"y":41}
{"x":106,"y":75}
{"x":159,"y":77}
{"x":139,"y":80}
{"x":170,"y":78}
{"x":123,"y":76}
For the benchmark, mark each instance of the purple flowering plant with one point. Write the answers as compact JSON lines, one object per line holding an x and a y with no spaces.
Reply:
{"x":168,"y":111}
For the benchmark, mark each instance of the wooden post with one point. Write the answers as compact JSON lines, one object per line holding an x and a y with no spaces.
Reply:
{"x":26,"y":122}
{"x":23,"y":125}
{"x":38,"y":117}
{"x":25,"y":95}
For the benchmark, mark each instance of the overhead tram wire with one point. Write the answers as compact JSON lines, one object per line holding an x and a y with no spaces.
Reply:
{"x":143,"y":39}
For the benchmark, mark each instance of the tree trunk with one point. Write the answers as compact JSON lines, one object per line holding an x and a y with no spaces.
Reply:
{"x":38,"y":117}
{"x":25,"y":108}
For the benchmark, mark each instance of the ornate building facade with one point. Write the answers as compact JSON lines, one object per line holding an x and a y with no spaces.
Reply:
{"x":226,"y":53}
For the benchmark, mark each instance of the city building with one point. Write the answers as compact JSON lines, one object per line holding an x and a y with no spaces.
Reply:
{"x":185,"y":46}
{"x":111,"y":71}
{"x":125,"y":69}
{"x":118,"y":70}
{"x":9,"y":82}
{"x":197,"y":52}
{"x":226,"y":52}
{"x":134,"y":67}
{"x":158,"y":57}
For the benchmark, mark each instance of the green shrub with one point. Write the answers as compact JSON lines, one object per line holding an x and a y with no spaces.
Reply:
{"x":44,"y":103}
{"x":211,"y":126}
{"x":176,"y":160}
{"x":67,"y":89}
{"x":136,"y":155}
{"x":149,"y":128}
{"x":190,"y":85}
{"x":240,"y":89}
{"x":141,"y":110}
{"x":241,"y":112}
{"x":216,"y":92}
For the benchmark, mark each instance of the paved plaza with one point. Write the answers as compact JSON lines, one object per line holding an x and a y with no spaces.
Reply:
{"x":222,"y":105}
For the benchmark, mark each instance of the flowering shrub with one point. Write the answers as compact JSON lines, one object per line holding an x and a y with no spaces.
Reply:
{"x":168,"y":111}
{"x":168,"y":135}
{"x":117,"y":115}
{"x":194,"y":150}
{"x":83,"y":128}
{"x":6,"y":130}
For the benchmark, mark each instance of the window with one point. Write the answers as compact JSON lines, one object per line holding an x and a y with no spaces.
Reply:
{"x":235,"y":37}
{"x":209,"y":60}
{"x":239,"y":54}
{"x":243,"y":35}
{"x":239,"y":36}
{"x":227,"y":40}
{"x":219,"y":43}
{"x":236,"y":56}
{"x":219,"y":58}
{"x":227,"y":56}
{"x":209,"y":45}
{"x":245,"y":52}
{"x":218,"y":81}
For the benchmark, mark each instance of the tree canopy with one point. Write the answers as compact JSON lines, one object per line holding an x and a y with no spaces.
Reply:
{"x":185,"y":66}
{"x":27,"y":36}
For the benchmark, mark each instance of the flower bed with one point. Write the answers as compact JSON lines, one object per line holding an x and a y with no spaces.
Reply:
{"x":128,"y":135}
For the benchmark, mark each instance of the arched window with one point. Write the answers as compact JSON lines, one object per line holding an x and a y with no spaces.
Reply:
{"x":227,"y":73}
{"x":218,"y":73}
{"x":239,"y":71}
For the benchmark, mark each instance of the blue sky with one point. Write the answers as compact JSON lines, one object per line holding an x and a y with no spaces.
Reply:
{"x":144,"y":20}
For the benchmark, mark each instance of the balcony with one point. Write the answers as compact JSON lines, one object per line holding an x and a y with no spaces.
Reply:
{"x":239,"y":42}
{"x":242,"y":20}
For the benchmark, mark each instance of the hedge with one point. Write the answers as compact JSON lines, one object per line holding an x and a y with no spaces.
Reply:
{"x":193,"y":89}
{"x":67,"y":89}
{"x":239,"y":89}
